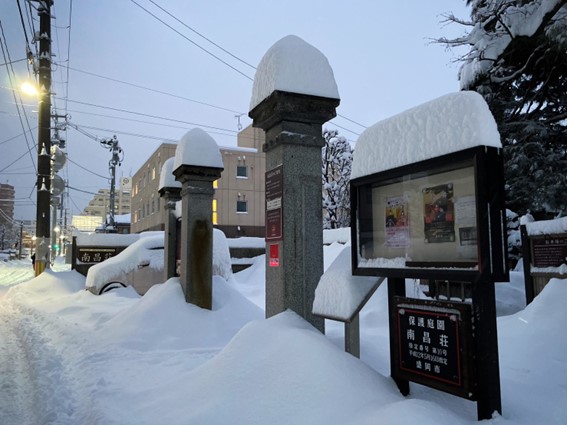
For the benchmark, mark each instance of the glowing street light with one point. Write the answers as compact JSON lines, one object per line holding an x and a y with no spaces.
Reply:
{"x":29,"y":89}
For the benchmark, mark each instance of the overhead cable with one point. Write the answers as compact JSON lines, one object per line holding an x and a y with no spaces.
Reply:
{"x":191,"y":41}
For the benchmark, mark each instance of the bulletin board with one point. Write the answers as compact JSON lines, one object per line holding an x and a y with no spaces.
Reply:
{"x":445,"y":213}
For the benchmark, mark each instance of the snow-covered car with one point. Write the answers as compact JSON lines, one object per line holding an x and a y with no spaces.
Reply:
{"x":141,"y":265}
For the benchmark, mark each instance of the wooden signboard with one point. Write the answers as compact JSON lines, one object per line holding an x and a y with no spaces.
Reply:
{"x":549,"y":250}
{"x":432,"y":345}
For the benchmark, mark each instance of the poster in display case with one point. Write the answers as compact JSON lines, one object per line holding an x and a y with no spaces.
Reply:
{"x":444,"y":213}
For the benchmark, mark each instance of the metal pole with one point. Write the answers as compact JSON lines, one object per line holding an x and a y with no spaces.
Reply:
{"x":44,"y":139}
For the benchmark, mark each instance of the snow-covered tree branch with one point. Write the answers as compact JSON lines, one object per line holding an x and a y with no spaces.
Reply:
{"x":336,"y":169}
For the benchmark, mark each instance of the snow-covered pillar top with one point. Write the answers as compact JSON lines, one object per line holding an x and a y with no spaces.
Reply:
{"x":293,"y":70}
{"x":197,"y":153}
{"x":167,"y":180}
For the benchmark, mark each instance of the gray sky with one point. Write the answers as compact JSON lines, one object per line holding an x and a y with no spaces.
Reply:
{"x":380,"y":53}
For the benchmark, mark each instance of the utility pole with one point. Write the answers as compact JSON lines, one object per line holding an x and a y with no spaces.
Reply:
{"x":44,"y":139}
{"x":117,"y":156}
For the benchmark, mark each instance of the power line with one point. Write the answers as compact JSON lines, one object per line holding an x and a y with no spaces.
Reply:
{"x":150,"y":116}
{"x":150,"y":89}
{"x":86,"y":169}
{"x":80,"y":190}
{"x":7,"y":59}
{"x":15,"y":137}
{"x":202,"y":36}
{"x":191,"y":41}
{"x":142,"y":136}
{"x":352,"y":121}
{"x":12,"y":62}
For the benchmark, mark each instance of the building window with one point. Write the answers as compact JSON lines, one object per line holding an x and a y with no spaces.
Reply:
{"x":215,"y":213}
{"x":216,"y":184}
{"x":242,"y":171}
{"x":242,"y":207}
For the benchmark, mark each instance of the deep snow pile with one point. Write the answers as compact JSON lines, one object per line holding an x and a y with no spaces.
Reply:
{"x":125,"y":359}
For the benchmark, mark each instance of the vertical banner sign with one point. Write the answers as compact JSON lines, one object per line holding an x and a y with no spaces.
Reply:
{"x":274,"y":206}
{"x":431,"y":341}
{"x":274,"y":255}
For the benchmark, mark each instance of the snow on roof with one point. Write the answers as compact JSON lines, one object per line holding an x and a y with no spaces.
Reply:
{"x":166,"y":177}
{"x":339,"y":294}
{"x":293,"y":65}
{"x":451,"y":123}
{"x":547,"y":227}
{"x":197,"y":148}
{"x":123,"y":218}
{"x":106,"y":239}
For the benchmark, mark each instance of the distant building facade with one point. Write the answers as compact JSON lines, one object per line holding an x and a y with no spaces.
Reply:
{"x":7,"y":196}
{"x":99,"y":205}
{"x":239,"y":201}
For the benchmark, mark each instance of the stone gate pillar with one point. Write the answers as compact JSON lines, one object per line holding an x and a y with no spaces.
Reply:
{"x":294,"y":94}
{"x":198,"y":162}
{"x":170,"y":192}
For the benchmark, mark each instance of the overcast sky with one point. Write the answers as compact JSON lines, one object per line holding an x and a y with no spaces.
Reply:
{"x":380,"y":52}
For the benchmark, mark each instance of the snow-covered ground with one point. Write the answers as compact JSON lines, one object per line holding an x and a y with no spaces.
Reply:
{"x":70,"y":357}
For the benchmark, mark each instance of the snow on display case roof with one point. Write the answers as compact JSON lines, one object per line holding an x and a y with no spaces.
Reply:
{"x":547,"y":227}
{"x":295,"y":66}
{"x":451,"y":123}
{"x":197,"y":148}
{"x":166,"y":177}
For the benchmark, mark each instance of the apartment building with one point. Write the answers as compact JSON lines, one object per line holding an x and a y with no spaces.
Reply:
{"x":7,"y":196}
{"x":99,"y":205}
{"x":238,"y":204}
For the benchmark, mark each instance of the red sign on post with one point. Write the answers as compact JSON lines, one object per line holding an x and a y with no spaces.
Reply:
{"x":274,"y":255}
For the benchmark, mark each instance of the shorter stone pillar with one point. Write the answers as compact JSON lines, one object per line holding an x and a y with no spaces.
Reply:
{"x":197,"y":164}
{"x":170,"y":192}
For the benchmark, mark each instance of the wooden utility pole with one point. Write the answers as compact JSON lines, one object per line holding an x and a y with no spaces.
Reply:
{"x":44,"y":139}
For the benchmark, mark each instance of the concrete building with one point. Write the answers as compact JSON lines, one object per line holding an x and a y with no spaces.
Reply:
{"x":239,"y":201}
{"x":7,"y":196}
{"x":100,"y":204}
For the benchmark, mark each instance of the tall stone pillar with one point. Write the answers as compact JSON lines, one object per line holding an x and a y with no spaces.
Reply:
{"x":293,"y":125}
{"x":170,"y":192}
{"x":198,"y":162}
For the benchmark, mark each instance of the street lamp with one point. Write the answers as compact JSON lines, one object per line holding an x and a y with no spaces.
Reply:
{"x":29,"y":89}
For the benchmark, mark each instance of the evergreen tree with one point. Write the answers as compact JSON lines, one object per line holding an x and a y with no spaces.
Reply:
{"x":336,"y":169}
{"x":517,"y":60}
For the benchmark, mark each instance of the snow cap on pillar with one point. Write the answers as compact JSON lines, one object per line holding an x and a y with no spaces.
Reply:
{"x":295,"y":66}
{"x":197,"y":149}
{"x":166,"y":177}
